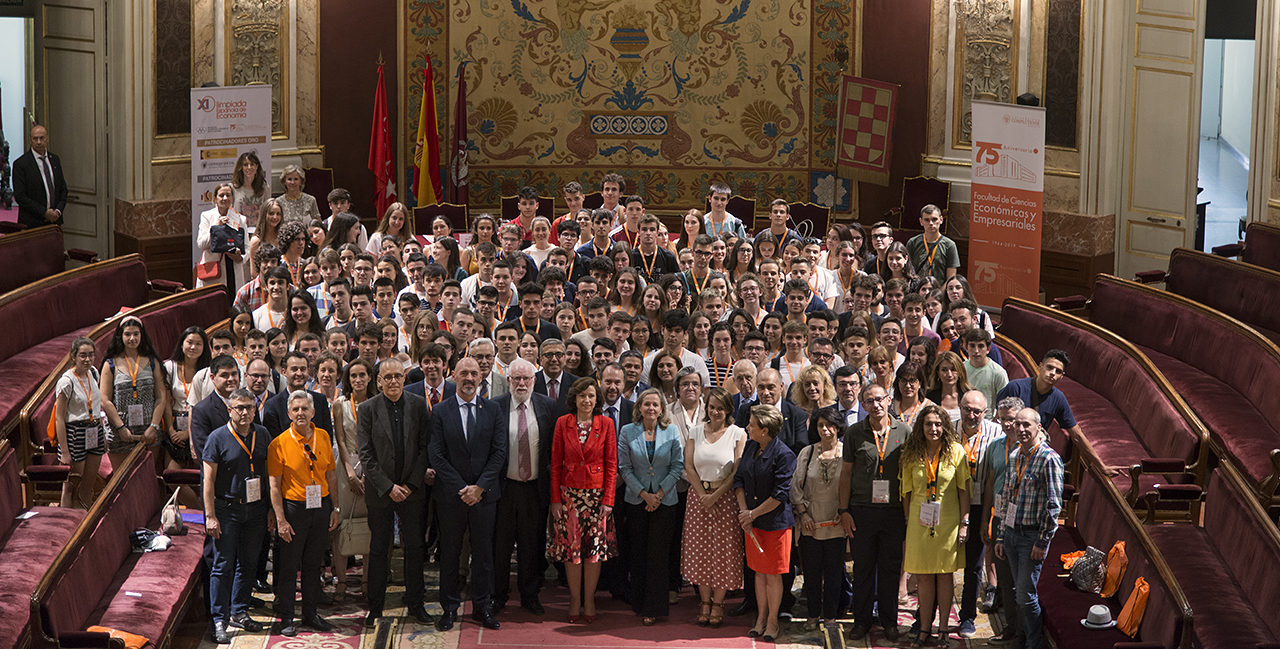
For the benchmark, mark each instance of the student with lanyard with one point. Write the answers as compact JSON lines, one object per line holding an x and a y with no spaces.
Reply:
{"x":131,"y":385}
{"x":779,"y":215}
{"x":600,"y":244}
{"x":531,"y":295}
{"x":254,"y":293}
{"x":933,"y":253}
{"x":272,"y":313}
{"x":652,"y":260}
{"x":720,"y":362}
{"x":235,"y":467}
{"x":881,"y":239}
{"x":300,"y":466}
{"x":696,"y":279}
{"x":629,"y":231}
{"x":78,"y":424}
{"x":190,"y":355}
{"x":718,"y":221}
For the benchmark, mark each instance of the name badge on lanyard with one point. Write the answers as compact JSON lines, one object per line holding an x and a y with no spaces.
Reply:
{"x":91,"y":436}
{"x":930,"y":513}
{"x":313,"y":496}
{"x":253,"y":490}
{"x":135,"y":415}
{"x":180,"y":422}
{"x":880,"y":491}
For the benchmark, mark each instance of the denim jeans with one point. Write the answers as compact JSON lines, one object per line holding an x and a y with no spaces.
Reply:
{"x":1026,"y":573}
{"x":235,"y":556}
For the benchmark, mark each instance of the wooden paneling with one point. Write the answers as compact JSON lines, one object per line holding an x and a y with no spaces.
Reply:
{"x":166,"y":257}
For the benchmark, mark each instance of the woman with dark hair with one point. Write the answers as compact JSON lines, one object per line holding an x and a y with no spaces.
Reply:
{"x":771,"y":327}
{"x":899,"y":263}
{"x":641,"y":335}
{"x":676,"y":292}
{"x":249,"y":187}
{"x":357,"y":383}
{"x":720,"y":360}
{"x":935,"y":496}
{"x":81,"y":439}
{"x":957,"y":288}
{"x":450,"y":343}
{"x":922,"y":351}
{"x":189,"y":356}
{"x":241,"y":325}
{"x":690,"y":228}
{"x":766,"y":247}
{"x":662,"y":374}
{"x":626,"y":282}
{"x":908,"y":399}
{"x":303,"y":317}
{"x":444,"y":251}
{"x":344,"y":228}
{"x":815,"y":492}
{"x":293,"y":240}
{"x":653,"y":303}
{"x":441,"y":227}
{"x":577,"y":359}
{"x":396,"y":221}
{"x":483,"y":228}
{"x":277,"y":347}
{"x":133,"y":397}
{"x":763,"y":488}
{"x":650,"y":463}
{"x":584,"y":473}
{"x":836,"y":233}
{"x":740,"y":260}
{"x":711,"y":543}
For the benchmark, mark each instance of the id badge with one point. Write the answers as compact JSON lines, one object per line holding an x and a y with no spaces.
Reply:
{"x":313,"y":496}
{"x":998,"y":506}
{"x":930,"y":514}
{"x":135,"y":415}
{"x":91,"y":437}
{"x":253,"y":491}
{"x":180,"y":422}
{"x":1011,"y":511}
{"x":880,"y":491}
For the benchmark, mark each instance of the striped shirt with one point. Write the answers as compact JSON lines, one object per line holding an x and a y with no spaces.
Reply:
{"x":1033,"y":488}
{"x":975,"y":446}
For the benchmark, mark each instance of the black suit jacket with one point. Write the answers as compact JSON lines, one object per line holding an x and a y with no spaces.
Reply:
{"x":375,"y":441}
{"x":544,"y":330}
{"x":206,"y":417}
{"x":795,"y":424}
{"x":544,"y":415}
{"x":420,"y":389}
{"x":275,"y":413}
{"x":562,"y":397}
{"x":479,"y":458}
{"x":624,"y":412}
{"x":28,"y":188}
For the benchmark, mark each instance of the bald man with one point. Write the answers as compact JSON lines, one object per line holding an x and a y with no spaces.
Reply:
{"x":38,"y":183}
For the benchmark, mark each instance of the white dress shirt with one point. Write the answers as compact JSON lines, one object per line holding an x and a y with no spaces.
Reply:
{"x":513,"y":439}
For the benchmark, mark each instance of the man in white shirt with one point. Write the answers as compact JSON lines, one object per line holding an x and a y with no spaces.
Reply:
{"x":486,"y":256}
{"x":675,"y":333}
{"x":597,"y":315}
{"x":272,"y":313}
{"x":492,"y":384}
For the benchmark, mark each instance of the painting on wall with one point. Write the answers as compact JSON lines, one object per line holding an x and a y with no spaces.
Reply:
{"x":670,"y":93}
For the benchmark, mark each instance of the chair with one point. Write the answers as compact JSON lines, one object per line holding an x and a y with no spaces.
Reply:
{"x":510,"y":207}
{"x":459,"y":215}
{"x":811,"y":217}
{"x":593,"y":200}
{"x":918,"y":191}
{"x":742,"y":207}
{"x":318,"y":181}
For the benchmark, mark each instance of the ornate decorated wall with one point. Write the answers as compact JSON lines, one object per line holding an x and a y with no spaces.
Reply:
{"x":671,"y":94}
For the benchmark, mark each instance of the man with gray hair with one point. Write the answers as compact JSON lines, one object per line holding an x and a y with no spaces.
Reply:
{"x":391,"y":436}
{"x":530,"y":422}
{"x":492,"y":384}
{"x":1032,"y":501}
{"x":993,"y":476}
{"x":976,"y":433}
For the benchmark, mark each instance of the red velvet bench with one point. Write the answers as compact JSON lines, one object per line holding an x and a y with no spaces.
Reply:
{"x":1224,"y":370}
{"x":1127,"y":411}
{"x":1102,"y":517}
{"x":35,"y":254}
{"x":98,"y":580}
{"x":1243,"y":291}
{"x":1228,"y":567}
{"x":27,"y":548}
{"x":1261,"y":246}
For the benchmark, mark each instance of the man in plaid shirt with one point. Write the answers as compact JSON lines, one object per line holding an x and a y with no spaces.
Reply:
{"x":254,"y":293}
{"x":1031,"y":500}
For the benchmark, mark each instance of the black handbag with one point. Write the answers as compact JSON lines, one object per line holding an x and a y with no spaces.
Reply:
{"x":224,"y":238}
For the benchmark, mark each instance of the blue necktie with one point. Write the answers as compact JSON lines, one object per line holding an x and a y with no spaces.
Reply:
{"x":471,"y":421}
{"x":613,"y":414}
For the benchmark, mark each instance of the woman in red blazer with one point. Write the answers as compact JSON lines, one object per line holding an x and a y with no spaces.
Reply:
{"x":584,"y":472}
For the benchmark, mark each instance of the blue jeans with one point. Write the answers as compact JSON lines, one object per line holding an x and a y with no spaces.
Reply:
{"x":1026,"y":573}
{"x":235,"y":556}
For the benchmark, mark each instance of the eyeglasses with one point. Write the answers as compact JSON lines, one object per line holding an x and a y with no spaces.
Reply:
{"x":242,"y":408}
{"x":975,"y":411}
{"x":882,"y":236}
{"x":702,"y":253}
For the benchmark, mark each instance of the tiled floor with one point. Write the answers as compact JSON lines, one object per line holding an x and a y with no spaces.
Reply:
{"x":1225,"y":182}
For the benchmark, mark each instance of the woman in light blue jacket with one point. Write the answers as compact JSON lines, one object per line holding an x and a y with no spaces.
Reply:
{"x":650,"y":461}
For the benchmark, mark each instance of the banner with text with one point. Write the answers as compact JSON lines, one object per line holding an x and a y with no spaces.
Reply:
{"x":1007,"y":202}
{"x":226,"y":122}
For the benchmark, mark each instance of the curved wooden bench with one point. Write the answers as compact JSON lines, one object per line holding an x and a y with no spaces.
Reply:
{"x":30,"y":255}
{"x":1244,"y":291}
{"x":1103,"y":517}
{"x":1226,"y":371}
{"x":1132,"y":419}
{"x":1262,"y":245}
{"x":97,"y":580}
{"x":1014,"y":358}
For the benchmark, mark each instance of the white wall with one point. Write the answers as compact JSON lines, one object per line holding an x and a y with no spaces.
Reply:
{"x":1211,"y":85}
{"x":1237,"y":93}
{"x":13,"y":75}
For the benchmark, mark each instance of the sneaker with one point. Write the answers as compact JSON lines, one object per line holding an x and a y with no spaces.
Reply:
{"x":988,"y":603}
{"x":966,"y":629}
{"x":1002,"y":639}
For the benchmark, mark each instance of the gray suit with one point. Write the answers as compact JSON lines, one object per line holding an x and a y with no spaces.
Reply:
{"x":378,"y":441}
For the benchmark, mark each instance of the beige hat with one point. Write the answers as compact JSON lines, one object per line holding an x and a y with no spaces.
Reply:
{"x":1099,"y":618}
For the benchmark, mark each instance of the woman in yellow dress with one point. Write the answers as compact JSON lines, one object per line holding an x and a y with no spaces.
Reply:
{"x":935,"y":495}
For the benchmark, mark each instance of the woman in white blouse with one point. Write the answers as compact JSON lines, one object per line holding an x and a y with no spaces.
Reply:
{"x":221,"y":214}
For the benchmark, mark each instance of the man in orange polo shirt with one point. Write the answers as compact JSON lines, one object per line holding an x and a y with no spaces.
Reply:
{"x":300,"y":468}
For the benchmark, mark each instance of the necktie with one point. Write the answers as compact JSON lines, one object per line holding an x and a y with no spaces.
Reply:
{"x":522,"y":441}
{"x":613,"y":414}
{"x":435,"y":396}
{"x":471,"y":421}
{"x":48,"y":180}
{"x":484,"y":388}
{"x":553,"y":389}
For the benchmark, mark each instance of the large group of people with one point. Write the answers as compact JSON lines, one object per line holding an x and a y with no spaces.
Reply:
{"x":639,"y":410}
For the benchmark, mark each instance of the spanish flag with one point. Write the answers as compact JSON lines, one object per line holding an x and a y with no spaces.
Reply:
{"x":426,"y":153}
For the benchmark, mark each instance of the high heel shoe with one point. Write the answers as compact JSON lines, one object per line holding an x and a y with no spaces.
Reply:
{"x":704,"y":614}
{"x":753,"y":633}
{"x":573,"y":619}
{"x":716,"y":617}
{"x":770,"y":637}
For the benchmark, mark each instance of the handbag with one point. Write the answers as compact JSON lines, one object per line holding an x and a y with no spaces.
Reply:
{"x":171,"y":522}
{"x":354,"y":537}
{"x":224,"y":238}
{"x":1131,"y":615}
{"x":1117,"y":562}
{"x":1090,"y":571}
{"x":209,"y":270}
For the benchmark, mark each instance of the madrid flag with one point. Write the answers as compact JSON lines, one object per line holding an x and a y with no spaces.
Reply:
{"x":380,"y":159}
{"x":426,"y":153}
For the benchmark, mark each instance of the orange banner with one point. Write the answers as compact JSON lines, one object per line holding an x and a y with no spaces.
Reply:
{"x":1007,"y":202}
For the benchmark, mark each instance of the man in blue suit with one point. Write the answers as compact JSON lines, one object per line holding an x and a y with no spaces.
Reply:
{"x":433,"y":388}
{"x":467,"y":447}
{"x":552,"y":380}
{"x":211,"y":413}
{"x":275,"y":411}
{"x":795,"y":424}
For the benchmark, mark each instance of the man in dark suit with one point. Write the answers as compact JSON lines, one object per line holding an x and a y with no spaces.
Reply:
{"x":433,"y":388}
{"x":38,"y":183}
{"x":615,"y":406}
{"x":552,"y":380}
{"x":613,"y":574}
{"x":795,"y":424}
{"x":468,"y":450}
{"x":211,"y":413}
{"x":275,"y":412}
{"x":530,"y":306}
{"x":391,"y":438}
{"x":526,"y":488}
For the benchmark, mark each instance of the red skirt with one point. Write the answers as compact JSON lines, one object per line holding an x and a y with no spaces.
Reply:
{"x":770,"y":552}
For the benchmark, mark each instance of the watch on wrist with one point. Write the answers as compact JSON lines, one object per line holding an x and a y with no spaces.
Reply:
{"x":842,"y":510}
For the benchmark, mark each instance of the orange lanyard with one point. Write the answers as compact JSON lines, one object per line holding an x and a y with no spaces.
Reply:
{"x":715,"y":367}
{"x":597,"y":250}
{"x":536,"y":330}
{"x":930,"y":253}
{"x":1020,"y":467}
{"x":354,"y":417}
{"x":627,"y":234}
{"x":971,"y":451}
{"x":271,"y":319}
{"x":904,"y":417}
{"x":295,"y":270}
{"x":931,"y":472}
{"x":186,"y":385}
{"x":881,"y":446}
{"x":573,"y":259}
{"x":133,"y":368}
{"x":88,"y":396}
{"x":648,"y":265}
{"x":706,"y":279}
{"x":253,"y":446}
{"x":502,"y":311}
{"x":716,"y":232}
{"x":791,"y":377}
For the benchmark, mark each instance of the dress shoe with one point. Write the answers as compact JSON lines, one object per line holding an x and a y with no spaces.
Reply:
{"x":742,"y":609}
{"x":262,"y":586}
{"x":486,"y":619}
{"x":288,"y":628}
{"x":243,"y":621}
{"x":533,"y":606}
{"x":372,"y":618}
{"x":318,"y":623}
{"x":499,"y":604}
{"x":859,"y":631}
{"x":420,"y":614}
{"x":256,"y":602}
{"x":219,"y":633}
{"x":446,"y":620}
{"x":892,"y":633}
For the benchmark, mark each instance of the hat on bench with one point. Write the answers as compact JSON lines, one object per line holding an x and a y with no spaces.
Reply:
{"x":1099,"y":618}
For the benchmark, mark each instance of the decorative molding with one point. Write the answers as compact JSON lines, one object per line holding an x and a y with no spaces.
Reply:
{"x":173,"y":67}
{"x":986,"y":59}
{"x":952,"y":162}
{"x":185,"y":158}
{"x":258,"y":52}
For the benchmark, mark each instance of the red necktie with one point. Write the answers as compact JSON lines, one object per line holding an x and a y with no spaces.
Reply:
{"x":552,"y":390}
{"x":522,"y":441}
{"x":435,"y":396}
